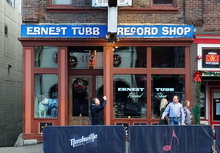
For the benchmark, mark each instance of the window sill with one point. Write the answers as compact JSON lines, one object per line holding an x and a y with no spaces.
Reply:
{"x":157,"y":9}
{"x":64,"y":9}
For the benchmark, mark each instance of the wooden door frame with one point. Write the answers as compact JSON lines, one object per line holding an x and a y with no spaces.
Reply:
{"x":92,"y":93}
{"x":82,"y":120}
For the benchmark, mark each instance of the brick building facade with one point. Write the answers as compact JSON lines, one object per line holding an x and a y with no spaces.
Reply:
{"x":156,"y":60}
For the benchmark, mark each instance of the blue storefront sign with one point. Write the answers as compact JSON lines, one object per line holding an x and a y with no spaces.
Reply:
{"x":100,"y":31}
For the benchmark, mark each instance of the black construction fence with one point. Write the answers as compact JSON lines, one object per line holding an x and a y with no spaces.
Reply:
{"x":142,"y":139}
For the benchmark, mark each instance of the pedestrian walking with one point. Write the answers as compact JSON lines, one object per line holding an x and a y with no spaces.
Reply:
{"x":163,"y":105}
{"x":187,"y":112}
{"x":175,"y":111}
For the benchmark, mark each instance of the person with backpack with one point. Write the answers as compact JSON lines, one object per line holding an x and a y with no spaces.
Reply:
{"x":96,"y":110}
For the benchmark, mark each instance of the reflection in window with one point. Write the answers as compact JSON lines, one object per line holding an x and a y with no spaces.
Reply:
{"x":129,"y":57}
{"x":85,"y":59}
{"x":99,"y":86}
{"x":46,"y":56}
{"x":168,"y":57}
{"x":46,"y":96}
{"x":62,"y":2}
{"x":130,"y":96}
{"x":211,"y":58}
{"x":166,"y":86}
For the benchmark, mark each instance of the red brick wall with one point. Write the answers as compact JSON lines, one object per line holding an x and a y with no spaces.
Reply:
{"x":211,"y":15}
{"x":30,"y":10}
{"x":193,"y":12}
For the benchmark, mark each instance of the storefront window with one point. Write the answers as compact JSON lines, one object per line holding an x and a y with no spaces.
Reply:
{"x":168,"y":57}
{"x":46,"y":56}
{"x":166,"y":86}
{"x":129,"y":57}
{"x":46,"y":96}
{"x":130,"y":96}
{"x":85,"y":59}
{"x":211,"y":58}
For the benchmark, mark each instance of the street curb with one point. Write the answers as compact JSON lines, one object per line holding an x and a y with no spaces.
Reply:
{"x":21,"y":142}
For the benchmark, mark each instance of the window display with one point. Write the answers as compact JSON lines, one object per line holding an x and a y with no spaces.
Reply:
{"x":83,"y":58}
{"x":46,"y":96}
{"x":130,"y":96}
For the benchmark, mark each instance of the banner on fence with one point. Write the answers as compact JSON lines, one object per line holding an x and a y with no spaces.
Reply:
{"x":170,"y":139}
{"x":217,"y":132}
{"x":84,"y":139}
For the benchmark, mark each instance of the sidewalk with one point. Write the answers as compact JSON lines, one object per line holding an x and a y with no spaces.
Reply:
{"x":37,"y":148}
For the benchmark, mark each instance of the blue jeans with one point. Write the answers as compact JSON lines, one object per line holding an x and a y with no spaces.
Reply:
{"x":174,"y":121}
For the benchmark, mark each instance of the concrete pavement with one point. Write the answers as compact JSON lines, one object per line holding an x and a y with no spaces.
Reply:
{"x":36,"y":148}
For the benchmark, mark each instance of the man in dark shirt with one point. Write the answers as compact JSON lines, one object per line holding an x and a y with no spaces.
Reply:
{"x":97,"y":111}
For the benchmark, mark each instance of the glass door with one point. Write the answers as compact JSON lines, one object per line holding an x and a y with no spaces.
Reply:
{"x":80,"y":88}
{"x":215,"y":107}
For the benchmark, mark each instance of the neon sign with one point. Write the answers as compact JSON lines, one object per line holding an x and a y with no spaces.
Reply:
{"x":212,"y":58}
